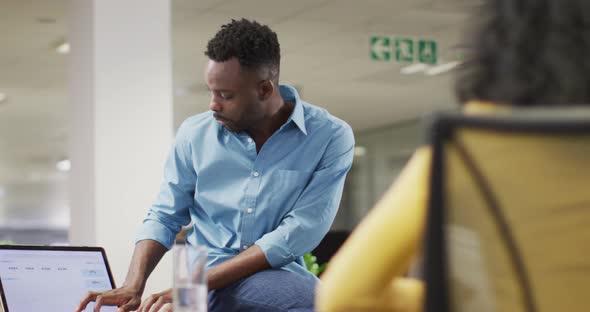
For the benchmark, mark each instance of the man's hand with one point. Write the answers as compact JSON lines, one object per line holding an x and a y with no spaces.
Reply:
{"x":126,"y":298}
{"x":157,"y":301}
{"x":146,"y":255}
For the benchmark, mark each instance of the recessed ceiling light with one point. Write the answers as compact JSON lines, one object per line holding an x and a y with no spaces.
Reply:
{"x":414,"y":68}
{"x":3,"y":97}
{"x":64,"y":165}
{"x":360,"y":151}
{"x":63,"y":48}
{"x":442,"y":68}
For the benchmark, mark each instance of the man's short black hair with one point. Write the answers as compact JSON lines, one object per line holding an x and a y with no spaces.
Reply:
{"x":254,"y":45}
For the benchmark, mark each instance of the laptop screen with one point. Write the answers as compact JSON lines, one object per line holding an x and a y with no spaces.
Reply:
{"x":51,"y":278}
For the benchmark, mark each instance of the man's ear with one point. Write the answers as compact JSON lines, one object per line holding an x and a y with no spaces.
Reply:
{"x":265,"y":89}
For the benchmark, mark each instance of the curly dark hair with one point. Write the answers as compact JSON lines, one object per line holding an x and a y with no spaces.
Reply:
{"x":529,"y":52}
{"x":253,"y":44}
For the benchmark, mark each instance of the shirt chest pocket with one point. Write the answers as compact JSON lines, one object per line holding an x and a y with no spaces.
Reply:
{"x":287,"y":185}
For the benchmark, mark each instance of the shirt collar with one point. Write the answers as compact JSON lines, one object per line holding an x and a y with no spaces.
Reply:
{"x":290,"y":94}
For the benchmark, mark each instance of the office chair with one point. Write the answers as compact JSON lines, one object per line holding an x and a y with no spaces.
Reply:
{"x":508,"y":225}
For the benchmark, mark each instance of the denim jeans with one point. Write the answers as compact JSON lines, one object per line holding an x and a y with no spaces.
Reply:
{"x":273,"y":290}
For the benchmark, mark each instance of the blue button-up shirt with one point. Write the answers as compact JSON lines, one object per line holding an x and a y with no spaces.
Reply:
{"x":283,"y":198}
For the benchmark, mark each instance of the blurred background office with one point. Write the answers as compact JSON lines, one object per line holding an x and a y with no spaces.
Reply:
{"x":381,"y":65}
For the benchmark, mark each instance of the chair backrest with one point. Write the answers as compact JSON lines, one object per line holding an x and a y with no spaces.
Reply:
{"x":509,"y":219}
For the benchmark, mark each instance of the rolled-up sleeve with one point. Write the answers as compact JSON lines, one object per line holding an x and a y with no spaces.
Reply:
{"x":170,"y":211}
{"x":302,"y":229}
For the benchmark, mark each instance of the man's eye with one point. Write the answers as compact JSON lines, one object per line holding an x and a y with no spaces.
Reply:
{"x":224,"y":96}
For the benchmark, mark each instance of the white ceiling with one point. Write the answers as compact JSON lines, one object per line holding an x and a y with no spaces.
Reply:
{"x":325,"y":53}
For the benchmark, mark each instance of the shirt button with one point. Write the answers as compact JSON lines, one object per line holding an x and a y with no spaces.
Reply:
{"x":249,"y":140}
{"x":250,"y":210}
{"x":245,"y":247}
{"x":256,"y":173}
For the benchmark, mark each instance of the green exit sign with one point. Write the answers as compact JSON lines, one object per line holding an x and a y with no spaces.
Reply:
{"x":405,"y":50}
{"x":380,"y":48}
{"x":427,"y":53}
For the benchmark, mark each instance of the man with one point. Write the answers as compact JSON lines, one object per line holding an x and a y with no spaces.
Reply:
{"x":260,"y":176}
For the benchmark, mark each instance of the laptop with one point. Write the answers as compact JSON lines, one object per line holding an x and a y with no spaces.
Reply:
{"x":54,"y":279}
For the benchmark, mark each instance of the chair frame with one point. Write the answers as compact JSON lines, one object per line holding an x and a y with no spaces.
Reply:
{"x":444,"y":127}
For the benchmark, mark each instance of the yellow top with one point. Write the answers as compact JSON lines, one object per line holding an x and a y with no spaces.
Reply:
{"x":385,"y":243}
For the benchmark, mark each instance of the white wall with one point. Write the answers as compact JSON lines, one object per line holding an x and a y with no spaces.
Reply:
{"x":121,"y":113}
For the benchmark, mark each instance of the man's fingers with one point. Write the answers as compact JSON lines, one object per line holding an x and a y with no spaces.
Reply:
{"x":90,"y":296}
{"x":128,"y":300}
{"x":129,"y":306}
{"x":157,"y":305}
{"x":167,"y":308}
{"x":147,"y":303}
{"x":98,"y":303}
{"x":142,"y":306}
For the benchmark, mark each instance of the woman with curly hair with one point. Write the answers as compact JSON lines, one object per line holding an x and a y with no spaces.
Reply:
{"x":523,"y":53}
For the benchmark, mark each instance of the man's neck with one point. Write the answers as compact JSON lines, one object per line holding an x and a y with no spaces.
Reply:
{"x":270,"y":125}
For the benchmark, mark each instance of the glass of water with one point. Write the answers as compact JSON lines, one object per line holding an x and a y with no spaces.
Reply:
{"x":190,"y":278}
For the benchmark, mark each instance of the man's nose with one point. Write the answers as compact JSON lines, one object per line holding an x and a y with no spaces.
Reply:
{"x":214,"y":105}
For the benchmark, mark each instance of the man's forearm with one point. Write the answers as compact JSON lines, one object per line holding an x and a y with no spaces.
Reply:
{"x":248,"y":262}
{"x":146,"y":256}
